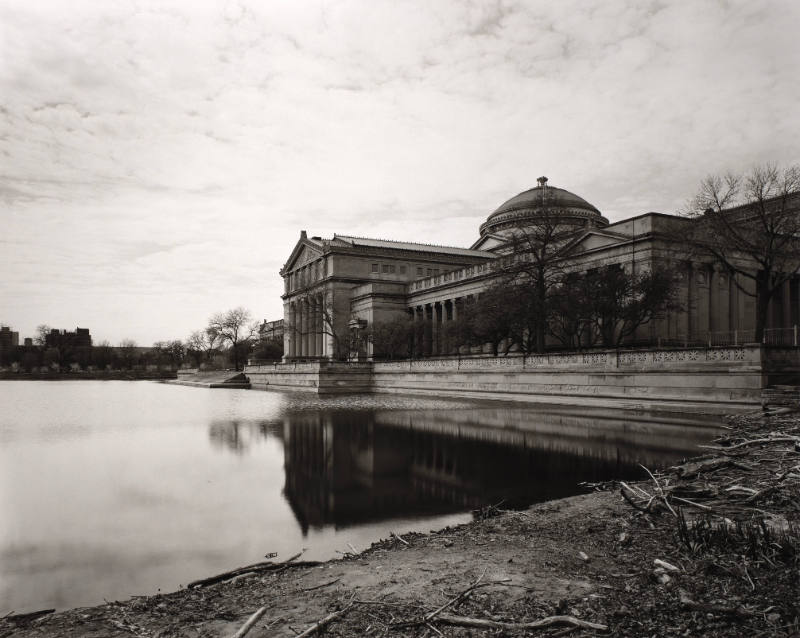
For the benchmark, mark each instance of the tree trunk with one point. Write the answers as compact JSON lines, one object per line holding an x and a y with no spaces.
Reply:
{"x":763,"y":296}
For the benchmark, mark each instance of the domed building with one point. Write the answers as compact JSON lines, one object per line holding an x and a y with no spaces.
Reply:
{"x":336,"y":289}
{"x":540,"y":206}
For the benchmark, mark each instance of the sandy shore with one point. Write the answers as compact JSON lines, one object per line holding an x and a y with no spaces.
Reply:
{"x":586,"y":560}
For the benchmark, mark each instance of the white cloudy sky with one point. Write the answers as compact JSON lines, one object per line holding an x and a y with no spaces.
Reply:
{"x":158,"y":160}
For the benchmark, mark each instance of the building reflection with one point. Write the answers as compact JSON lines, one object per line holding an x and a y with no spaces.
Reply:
{"x":345,"y":467}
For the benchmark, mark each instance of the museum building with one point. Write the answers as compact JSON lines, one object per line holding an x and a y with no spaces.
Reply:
{"x":335,"y":288}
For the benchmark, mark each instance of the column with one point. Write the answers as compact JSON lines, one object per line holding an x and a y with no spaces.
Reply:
{"x":303,"y":327}
{"x":320,"y":327}
{"x":418,"y":331}
{"x":427,"y":334}
{"x":437,"y":328}
{"x":330,"y":343}
{"x":312,"y":327}
{"x":288,"y":331}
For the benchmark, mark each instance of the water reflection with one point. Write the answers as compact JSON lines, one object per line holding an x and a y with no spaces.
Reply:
{"x":345,"y":468}
{"x":239,"y":436}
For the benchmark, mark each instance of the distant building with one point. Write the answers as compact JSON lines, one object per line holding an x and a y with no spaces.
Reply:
{"x":63,"y":338}
{"x":271,"y":329}
{"x":28,"y":342}
{"x":8,"y":338}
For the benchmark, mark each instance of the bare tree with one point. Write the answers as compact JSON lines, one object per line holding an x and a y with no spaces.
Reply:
{"x":201,"y":345}
{"x":750,"y":225}
{"x":233,"y":327}
{"x":534,"y":266}
{"x":127,"y":352}
{"x":42,"y":330}
{"x":328,"y":322}
{"x":617,"y":303}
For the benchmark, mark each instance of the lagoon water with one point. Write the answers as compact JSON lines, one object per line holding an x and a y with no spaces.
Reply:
{"x":110,"y":489}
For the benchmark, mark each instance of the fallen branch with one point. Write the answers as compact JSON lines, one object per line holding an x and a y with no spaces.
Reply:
{"x":480,"y":623}
{"x":628,"y":495}
{"x":400,"y":538}
{"x":659,"y":491}
{"x":250,"y":622}
{"x":774,"y":439}
{"x":320,"y":586}
{"x":688,"y":603}
{"x":31,"y":615}
{"x":325,"y":621}
{"x":256,"y":568}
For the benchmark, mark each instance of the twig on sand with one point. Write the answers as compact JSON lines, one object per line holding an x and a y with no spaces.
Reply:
{"x":31,"y":615}
{"x":400,"y":538}
{"x":481,"y":623}
{"x":327,"y":620}
{"x":688,"y":603}
{"x":774,"y":439}
{"x":321,"y":585}
{"x":250,"y":622}
{"x":256,"y":568}
{"x":659,"y":490}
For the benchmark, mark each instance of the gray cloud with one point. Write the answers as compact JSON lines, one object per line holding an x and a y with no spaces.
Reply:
{"x":145,"y":142}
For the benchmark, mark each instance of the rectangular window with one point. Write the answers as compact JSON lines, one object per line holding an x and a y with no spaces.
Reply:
{"x":385,"y":268}
{"x":419,"y":272}
{"x":392,"y":269}
{"x":402,"y":270}
{"x":375,"y":268}
{"x":435,"y":272}
{"x":430,"y":272}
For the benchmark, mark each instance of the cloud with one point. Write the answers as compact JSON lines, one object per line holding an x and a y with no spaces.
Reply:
{"x":172,"y":152}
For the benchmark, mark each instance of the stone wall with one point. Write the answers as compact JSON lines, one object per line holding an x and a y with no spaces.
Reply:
{"x":723,"y":376}
{"x":322,"y":377}
{"x":731,"y":377}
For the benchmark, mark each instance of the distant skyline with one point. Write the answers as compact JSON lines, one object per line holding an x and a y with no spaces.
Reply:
{"x":159,"y":159}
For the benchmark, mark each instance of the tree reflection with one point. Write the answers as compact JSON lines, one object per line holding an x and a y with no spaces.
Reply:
{"x":239,"y":436}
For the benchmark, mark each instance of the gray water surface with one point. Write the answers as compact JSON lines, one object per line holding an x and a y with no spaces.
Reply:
{"x":110,"y":489}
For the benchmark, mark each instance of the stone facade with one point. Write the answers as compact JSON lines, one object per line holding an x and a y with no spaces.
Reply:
{"x":334,"y":288}
{"x":712,"y":379}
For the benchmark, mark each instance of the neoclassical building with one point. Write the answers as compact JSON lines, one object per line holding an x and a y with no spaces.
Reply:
{"x":337,"y":286}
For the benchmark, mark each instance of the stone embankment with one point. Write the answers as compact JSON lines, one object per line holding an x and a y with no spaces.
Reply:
{"x":721,"y":380}
{"x":217,"y":379}
{"x":710,"y":547}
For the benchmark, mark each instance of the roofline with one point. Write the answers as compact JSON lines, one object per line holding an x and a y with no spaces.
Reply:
{"x":422,"y":246}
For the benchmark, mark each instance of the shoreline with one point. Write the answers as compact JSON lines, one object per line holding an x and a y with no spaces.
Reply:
{"x":588,"y":557}
{"x":116,"y":375}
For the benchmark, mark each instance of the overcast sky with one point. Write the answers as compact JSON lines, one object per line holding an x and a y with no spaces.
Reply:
{"x":158,"y":160}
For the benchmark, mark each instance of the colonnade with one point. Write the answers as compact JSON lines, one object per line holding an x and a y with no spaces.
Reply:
{"x":307,"y":328}
{"x":430,"y":319}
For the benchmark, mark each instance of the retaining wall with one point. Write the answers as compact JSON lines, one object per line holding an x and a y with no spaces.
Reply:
{"x":730,"y":377}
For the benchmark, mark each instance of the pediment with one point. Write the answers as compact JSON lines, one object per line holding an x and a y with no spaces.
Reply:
{"x":593,"y":240}
{"x":488,"y":242}
{"x":304,"y":252}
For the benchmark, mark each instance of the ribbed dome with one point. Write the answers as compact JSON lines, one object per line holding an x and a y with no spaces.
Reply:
{"x":530,"y":204}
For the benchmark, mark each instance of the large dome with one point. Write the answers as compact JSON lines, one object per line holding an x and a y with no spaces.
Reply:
{"x":543,"y":201}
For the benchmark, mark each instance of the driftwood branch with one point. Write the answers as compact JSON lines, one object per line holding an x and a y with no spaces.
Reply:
{"x":688,"y":603}
{"x":255,"y":568}
{"x":31,"y":615}
{"x":774,"y":439}
{"x":325,"y":621}
{"x":250,"y":623}
{"x":400,"y":538}
{"x":481,"y":623}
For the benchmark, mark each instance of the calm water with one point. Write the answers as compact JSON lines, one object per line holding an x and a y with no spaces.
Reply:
{"x":117,"y":488}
